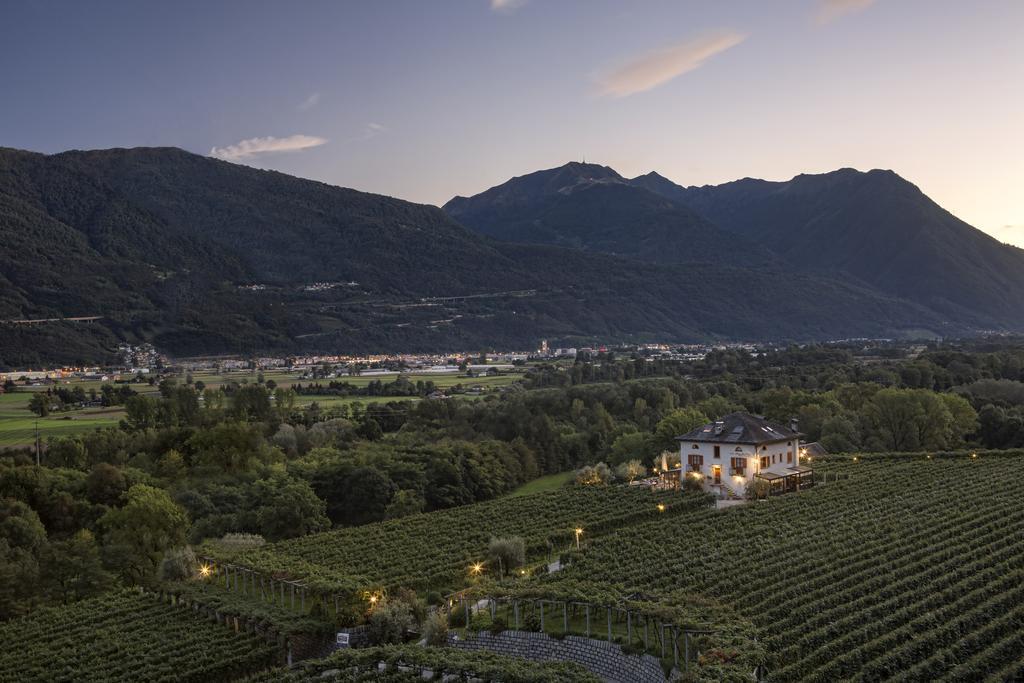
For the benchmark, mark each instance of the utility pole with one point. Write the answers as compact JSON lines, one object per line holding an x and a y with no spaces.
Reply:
{"x":37,"y":443}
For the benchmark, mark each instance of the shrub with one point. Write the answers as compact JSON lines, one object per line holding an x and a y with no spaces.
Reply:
{"x":508,"y":553}
{"x":498,"y":625}
{"x":457,"y":619}
{"x":178,"y":564}
{"x":435,"y":628}
{"x":389,"y":621}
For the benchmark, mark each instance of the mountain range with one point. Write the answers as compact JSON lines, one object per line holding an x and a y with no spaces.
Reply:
{"x":200,"y":256}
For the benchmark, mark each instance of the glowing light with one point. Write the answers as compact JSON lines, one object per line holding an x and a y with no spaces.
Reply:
{"x":661,"y":507}
{"x":476,"y":568}
{"x":579,"y":532}
{"x":855,"y":458}
{"x":974,"y":455}
{"x":373,"y":599}
{"x":204,"y":570}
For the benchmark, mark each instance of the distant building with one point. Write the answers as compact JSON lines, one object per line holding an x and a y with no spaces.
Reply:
{"x":730,"y":453}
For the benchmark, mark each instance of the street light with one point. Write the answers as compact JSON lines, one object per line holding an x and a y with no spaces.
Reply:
{"x":661,"y":507}
{"x":579,"y":532}
{"x":204,"y":570}
{"x":476,"y":568}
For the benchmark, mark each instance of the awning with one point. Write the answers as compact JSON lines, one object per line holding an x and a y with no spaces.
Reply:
{"x":801,"y":469}
{"x":771,"y":476}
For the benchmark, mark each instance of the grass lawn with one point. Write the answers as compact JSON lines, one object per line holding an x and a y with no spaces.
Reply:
{"x":18,"y":424}
{"x":548,"y":483}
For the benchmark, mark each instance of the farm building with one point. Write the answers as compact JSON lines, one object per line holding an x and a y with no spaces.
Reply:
{"x":730,"y":453}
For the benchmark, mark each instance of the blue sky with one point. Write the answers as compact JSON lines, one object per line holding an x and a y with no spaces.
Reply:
{"x":424,"y":100}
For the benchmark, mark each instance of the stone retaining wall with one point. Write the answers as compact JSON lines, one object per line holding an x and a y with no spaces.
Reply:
{"x":598,"y":656}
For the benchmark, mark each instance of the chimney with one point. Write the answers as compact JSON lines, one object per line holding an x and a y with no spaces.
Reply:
{"x":794,"y":424}
{"x":719,"y":426}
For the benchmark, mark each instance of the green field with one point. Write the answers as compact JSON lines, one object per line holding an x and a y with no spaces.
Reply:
{"x":18,"y":424}
{"x":549,"y":483}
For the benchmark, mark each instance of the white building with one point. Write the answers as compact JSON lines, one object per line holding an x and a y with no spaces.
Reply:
{"x":729,"y":453}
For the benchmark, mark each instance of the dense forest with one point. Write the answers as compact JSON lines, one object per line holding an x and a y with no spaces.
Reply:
{"x":114,"y":506}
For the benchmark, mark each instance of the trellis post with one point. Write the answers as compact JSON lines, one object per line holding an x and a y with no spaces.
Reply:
{"x":542,"y":616}
{"x":494,"y":607}
{"x":629,"y":627}
{"x":587,"y":608}
{"x":686,"y":650}
{"x":465,"y":607}
{"x":515,"y":610}
{"x":675,"y":646}
{"x":565,"y":616}
{"x":646,"y":639}
{"x":609,"y":624}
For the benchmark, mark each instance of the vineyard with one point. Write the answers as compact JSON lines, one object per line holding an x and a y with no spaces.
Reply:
{"x":435,"y":549}
{"x":910,"y":568}
{"x":400,"y":664}
{"x":126,"y":636}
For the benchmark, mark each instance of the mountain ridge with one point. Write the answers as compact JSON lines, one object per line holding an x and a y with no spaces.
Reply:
{"x":202,"y":256}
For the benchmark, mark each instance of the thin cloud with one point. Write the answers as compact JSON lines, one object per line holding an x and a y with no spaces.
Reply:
{"x":255,"y":146}
{"x":506,"y":5}
{"x":310,"y":102}
{"x":371,"y":130}
{"x":661,"y":66}
{"x":830,"y":10}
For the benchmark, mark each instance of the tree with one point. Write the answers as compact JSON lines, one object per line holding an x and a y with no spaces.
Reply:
{"x":389,"y":621}
{"x":369,"y":429}
{"x":363,"y":496}
{"x":630,"y":470}
{"x":677,"y":422}
{"x":508,"y":553}
{"x":598,"y":475}
{"x":67,"y":452}
{"x":630,"y":446}
{"x":138,"y":534}
{"x":964,"y":419}
{"x":72,"y":570}
{"x":22,"y":541}
{"x":893,"y":415}
{"x":178,"y":564}
{"x":288,"y":508}
{"x":435,"y":628}
{"x":39,"y":404}
{"x":404,"y":503}
{"x":840,"y":433}
{"x":105,"y":484}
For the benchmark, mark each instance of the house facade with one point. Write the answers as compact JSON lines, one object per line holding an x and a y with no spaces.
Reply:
{"x":728,"y":454}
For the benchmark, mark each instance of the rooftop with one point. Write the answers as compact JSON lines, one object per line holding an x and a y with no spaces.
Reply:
{"x":740,"y":428}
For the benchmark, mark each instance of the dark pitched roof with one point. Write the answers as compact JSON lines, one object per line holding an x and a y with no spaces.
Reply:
{"x":740,"y":428}
{"x":814,"y":448}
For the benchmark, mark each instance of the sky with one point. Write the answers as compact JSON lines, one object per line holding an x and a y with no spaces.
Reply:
{"x":425,"y":100}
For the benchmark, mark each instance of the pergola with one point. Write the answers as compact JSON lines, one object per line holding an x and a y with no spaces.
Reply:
{"x":799,"y":477}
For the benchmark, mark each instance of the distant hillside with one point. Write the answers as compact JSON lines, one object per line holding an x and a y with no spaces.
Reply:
{"x":203,"y":256}
{"x":875,"y":226}
{"x":592,"y":207}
